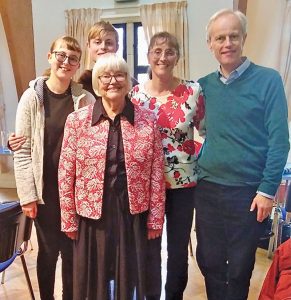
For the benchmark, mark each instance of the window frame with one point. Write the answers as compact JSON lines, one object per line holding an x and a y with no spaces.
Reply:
{"x":124,"y":27}
{"x":130,"y":43}
{"x":138,"y":69}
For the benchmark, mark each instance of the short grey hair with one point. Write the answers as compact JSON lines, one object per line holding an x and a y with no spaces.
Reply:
{"x":241,"y":17}
{"x":109,"y":62}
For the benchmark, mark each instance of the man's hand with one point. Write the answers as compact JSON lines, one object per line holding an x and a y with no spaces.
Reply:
{"x":15,"y":142}
{"x":154,"y":233}
{"x":72,"y":235}
{"x":30,"y":209}
{"x":264,"y":207}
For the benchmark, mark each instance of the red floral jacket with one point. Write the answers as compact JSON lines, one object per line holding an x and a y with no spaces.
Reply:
{"x":82,"y":167}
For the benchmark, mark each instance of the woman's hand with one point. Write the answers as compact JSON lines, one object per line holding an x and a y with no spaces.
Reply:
{"x":15,"y":142}
{"x":30,"y":209}
{"x":154,"y":233}
{"x":72,"y":235}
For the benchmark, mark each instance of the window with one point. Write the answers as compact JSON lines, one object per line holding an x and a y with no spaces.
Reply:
{"x":133,"y":47}
{"x":140,"y":54}
{"x":121,"y":29}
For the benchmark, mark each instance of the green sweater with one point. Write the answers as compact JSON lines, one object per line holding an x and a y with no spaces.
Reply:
{"x":246,"y":127}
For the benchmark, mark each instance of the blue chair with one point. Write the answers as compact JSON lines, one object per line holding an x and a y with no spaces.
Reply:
{"x":15,"y":231}
{"x":280,"y":227}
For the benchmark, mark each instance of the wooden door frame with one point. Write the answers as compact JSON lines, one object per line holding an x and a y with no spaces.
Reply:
{"x":18,"y":25}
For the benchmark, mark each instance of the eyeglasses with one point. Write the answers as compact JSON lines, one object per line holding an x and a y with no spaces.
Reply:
{"x":169,"y":53}
{"x":106,"y":78}
{"x":62,"y":56}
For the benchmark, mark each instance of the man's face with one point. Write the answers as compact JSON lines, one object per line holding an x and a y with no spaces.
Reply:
{"x":102,"y":44}
{"x":226,"y":41}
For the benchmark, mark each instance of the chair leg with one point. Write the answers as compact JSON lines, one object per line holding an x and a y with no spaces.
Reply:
{"x":3,"y":277}
{"x":276,"y":226}
{"x":27,"y":277}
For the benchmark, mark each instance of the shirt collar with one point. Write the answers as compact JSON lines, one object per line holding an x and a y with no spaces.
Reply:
{"x":235,"y":73}
{"x":240,"y":69}
{"x":99,"y":111}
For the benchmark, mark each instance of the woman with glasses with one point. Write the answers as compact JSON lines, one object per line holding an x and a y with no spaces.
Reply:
{"x":179,"y":107}
{"x":41,"y":115}
{"x":111,"y":186}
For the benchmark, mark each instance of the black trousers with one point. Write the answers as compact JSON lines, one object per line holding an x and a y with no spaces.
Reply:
{"x":51,"y":243}
{"x":179,"y":216}
{"x":227,"y":239}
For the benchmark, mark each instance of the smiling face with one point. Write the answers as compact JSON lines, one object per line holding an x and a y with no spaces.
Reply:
{"x":162,"y":57}
{"x":63,"y":61}
{"x":104,"y":43}
{"x":111,"y":78}
{"x":226,"y":40}
{"x":113,"y":85}
{"x":102,"y":38}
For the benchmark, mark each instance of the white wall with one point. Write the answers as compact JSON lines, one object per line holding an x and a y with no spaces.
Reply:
{"x":49,"y":23}
{"x":264,"y":31}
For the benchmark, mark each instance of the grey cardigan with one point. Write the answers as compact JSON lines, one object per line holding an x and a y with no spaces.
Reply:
{"x":28,"y":161}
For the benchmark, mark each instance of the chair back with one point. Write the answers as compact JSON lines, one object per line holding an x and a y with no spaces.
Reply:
{"x":15,"y":228}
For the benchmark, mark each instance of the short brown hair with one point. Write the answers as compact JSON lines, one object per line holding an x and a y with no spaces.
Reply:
{"x":99,"y":29}
{"x":69,"y":42}
{"x":166,"y":37}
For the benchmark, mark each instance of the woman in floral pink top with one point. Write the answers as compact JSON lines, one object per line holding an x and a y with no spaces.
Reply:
{"x":179,"y":107}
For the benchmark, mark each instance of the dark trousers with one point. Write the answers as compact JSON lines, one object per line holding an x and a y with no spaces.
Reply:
{"x":227,"y":238}
{"x":179,"y":215}
{"x":153,"y":269}
{"x":52,"y":242}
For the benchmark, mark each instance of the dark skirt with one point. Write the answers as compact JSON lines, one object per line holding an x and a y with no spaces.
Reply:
{"x":111,"y":255}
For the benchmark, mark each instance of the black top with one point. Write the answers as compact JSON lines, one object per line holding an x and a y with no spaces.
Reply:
{"x":57,"y":107}
{"x":115,"y":174}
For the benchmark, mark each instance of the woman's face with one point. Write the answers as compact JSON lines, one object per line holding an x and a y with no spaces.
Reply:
{"x":162,"y":58}
{"x":64,"y":63}
{"x":113,"y":85}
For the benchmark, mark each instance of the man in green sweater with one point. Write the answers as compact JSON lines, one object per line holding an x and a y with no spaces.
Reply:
{"x":241,"y":162}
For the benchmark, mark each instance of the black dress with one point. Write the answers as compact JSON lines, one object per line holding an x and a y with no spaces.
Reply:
{"x":110,"y":254}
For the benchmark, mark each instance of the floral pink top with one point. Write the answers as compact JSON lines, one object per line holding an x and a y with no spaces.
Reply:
{"x":177,"y":114}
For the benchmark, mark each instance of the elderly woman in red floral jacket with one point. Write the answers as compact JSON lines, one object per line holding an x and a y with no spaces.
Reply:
{"x":111,"y":186}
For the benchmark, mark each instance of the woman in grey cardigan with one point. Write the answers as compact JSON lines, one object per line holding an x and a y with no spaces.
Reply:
{"x":40,"y":118}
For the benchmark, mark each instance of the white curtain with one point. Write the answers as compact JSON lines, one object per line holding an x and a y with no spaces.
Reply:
{"x":78,"y":23}
{"x":285,"y":54}
{"x":171,"y":17}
